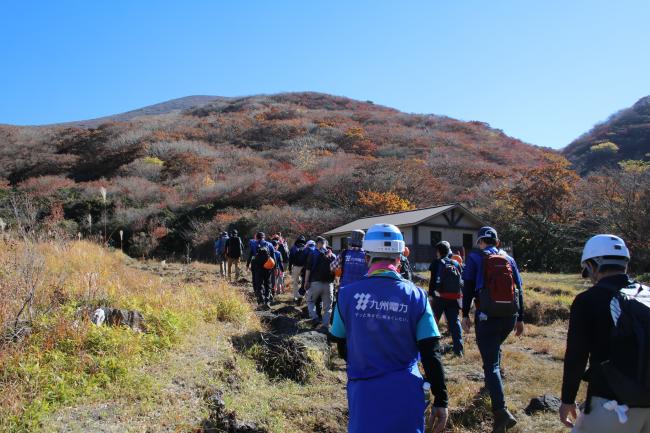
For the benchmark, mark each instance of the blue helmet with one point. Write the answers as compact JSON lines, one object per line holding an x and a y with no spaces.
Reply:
{"x":487,"y":233}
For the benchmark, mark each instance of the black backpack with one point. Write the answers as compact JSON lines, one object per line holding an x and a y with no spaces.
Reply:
{"x":262,"y":255}
{"x":321,"y":267}
{"x":234,"y":247}
{"x":301,"y":256}
{"x":630,"y":345}
{"x":405,"y":269}
{"x":450,"y":278}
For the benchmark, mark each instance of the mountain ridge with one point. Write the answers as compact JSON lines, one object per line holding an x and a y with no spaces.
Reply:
{"x":165,"y":107}
{"x":625,"y":135}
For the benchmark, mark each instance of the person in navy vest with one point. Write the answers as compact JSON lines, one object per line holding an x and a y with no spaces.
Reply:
{"x":352,"y":261}
{"x":383,"y":325}
{"x":491,"y":331}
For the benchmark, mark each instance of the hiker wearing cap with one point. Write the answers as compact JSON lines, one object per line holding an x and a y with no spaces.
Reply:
{"x":382,"y":325}
{"x":350,"y":265}
{"x":220,"y":251}
{"x":297,"y":261}
{"x":261,"y":262}
{"x":319,"y":281}
{"x":446,"y":291}
{"x":491,"y":277}
{"x":609,"y":327}
{"x":234,"y":251}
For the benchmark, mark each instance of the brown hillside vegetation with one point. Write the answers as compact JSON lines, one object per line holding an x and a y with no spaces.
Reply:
{"x":624,"y":136}
{"x":299,"y":153}
{"x":303,"y":163}
{"x":66,"y":374}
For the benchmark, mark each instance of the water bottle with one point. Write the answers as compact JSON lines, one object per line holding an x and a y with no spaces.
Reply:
{"x":426,"y":387}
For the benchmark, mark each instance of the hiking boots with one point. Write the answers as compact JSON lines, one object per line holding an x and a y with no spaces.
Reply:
{"x":503,"y":420}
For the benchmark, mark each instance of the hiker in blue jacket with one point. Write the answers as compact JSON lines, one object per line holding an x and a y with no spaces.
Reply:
{"x":495,"y":319}
{"x":220,"y":252}
{"x":297,"y":261}
{"x":261,"y":277}
{"x":254,"y":244}
{"x":352,"y":261}
{"x":383,"y":324}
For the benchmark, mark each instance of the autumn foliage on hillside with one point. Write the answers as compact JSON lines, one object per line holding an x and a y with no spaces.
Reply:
{"x":624,"y":136}
{"x":296,"y":163}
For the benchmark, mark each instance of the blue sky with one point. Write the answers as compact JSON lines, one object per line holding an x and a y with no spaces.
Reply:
{"x":543,"y":71}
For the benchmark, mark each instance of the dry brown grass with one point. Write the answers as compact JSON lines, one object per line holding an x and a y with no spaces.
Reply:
{"x":66,"y":357}
{"x":62,"y":362}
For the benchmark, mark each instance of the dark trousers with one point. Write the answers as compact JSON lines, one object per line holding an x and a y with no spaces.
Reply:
{"x":490,"y":334}
{"x":262,"y":285}
{"x":451,"y":309}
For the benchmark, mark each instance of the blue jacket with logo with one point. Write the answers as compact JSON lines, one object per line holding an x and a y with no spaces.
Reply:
{"x":382,"y":319}
{"x":354,"y":266}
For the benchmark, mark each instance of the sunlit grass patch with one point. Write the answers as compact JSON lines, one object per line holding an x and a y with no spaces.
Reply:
{"x":65,"y":356}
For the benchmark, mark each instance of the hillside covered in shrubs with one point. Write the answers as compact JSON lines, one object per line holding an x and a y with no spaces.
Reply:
{"x":624,"y":136}
{"x":298,"y":163}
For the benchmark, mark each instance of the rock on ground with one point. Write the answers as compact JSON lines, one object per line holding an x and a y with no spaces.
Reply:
{"x":543,"y":403}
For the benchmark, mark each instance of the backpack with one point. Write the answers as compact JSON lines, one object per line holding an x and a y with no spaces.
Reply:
{"x":630,"y":345}
{"x":219,"y":245}
{"x":499,"y":295}
{"x":320,"y":267}
{"x":262,"y":254}
{"x":300,"y":258}
{"x":449,"y":278}
{"x":405,"y":269}
{"x":234,"y":247}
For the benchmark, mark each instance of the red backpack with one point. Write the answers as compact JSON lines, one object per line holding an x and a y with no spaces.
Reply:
{"x":499,"y":295}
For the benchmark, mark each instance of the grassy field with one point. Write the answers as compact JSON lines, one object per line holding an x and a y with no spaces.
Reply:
{"x":66,"y":358}
{"x":69,"y":375}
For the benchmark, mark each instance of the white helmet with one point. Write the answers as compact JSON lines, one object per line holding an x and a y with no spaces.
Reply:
{"x":606,"y":250}
{"x":383,"y":240}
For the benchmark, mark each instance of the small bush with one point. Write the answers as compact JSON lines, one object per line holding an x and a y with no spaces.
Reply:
{"x":282,"y":358}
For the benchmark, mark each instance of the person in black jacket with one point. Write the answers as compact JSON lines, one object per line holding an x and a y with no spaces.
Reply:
{"x":234,"y":251}
{"x":319,"y":281}
{"x":604,"y":261}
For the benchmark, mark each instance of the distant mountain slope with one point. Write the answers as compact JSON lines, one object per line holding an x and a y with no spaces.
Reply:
{"x":625,"y":135}
{"x":171,"y":106}
{"x":296,"y":162}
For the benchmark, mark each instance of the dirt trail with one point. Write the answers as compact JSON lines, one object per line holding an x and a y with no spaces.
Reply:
{"x":176,"y":388}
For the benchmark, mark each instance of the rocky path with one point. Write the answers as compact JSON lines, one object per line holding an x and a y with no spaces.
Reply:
{"x":185,"y":390}
{"x":285,"y":378}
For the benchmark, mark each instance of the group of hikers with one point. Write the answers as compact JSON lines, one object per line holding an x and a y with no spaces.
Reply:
{"x":385,"y":326}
